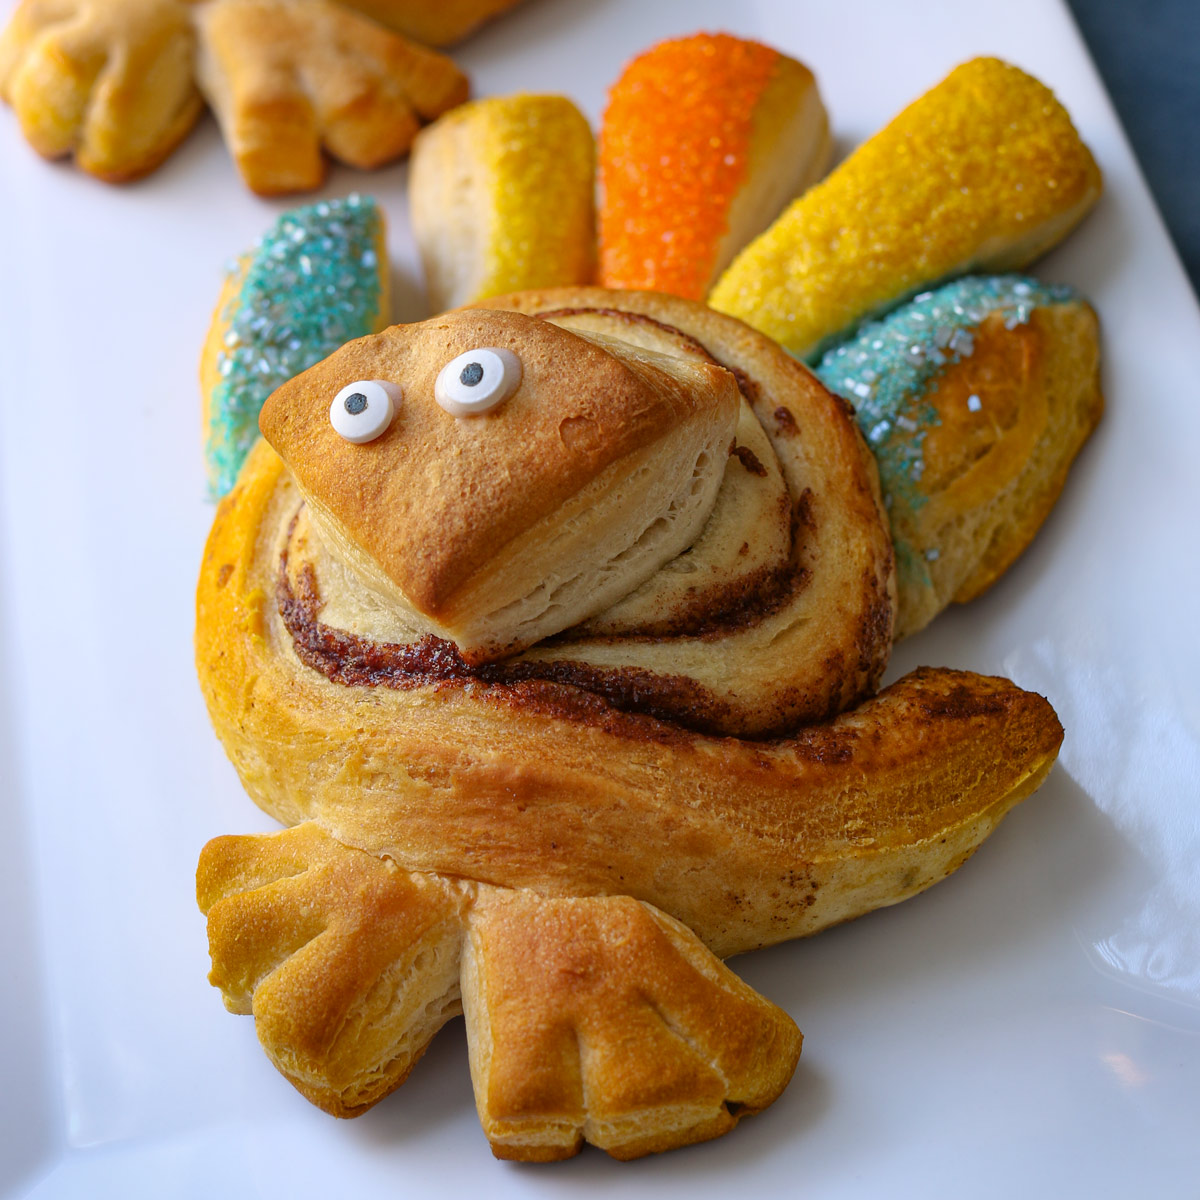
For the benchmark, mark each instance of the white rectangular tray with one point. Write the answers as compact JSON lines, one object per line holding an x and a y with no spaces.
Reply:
{"x":1028,"y":1026}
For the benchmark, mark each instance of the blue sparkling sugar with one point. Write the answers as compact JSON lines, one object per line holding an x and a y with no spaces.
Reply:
{"x":886,"y":369}
{"x":309,"y":286}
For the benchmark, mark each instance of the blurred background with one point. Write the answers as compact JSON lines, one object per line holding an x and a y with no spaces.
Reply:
{"x":1148,"y":52}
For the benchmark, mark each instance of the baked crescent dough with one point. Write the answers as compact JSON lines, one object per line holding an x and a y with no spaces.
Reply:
{"x":985,"y":172}
{"x":349,"y":965}
{"x":812,"y":640}
{"x":109,"y":81}
{"x":704,"y":140}
{"x":433,"y":24}
{"x":118,"y":83}
{"x":500,"y":529}
{"x":815,"y":638}
{"x":501,"y":196}
{"x":287,"y":78}
{"x":975,"y":398}
{"x":597,"y":1019}
{"x":549,"y":809}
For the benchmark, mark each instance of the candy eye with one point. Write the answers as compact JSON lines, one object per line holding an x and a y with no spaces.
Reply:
{"x":362,"y":410}
{"x":476,"y":381}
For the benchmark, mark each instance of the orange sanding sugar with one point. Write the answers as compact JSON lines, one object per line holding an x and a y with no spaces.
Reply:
{"x":673,"y":153}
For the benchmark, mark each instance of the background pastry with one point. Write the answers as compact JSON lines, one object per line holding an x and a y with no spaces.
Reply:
{"x":975,"y":399}
{"x":115,"y":83}
{"x":109,"y":81}
{"x":703,"y":142}
{"x":288,"y":78}
{"x":434,"y":24}
{"x":983,"y":173}
{"x":501,"y":193}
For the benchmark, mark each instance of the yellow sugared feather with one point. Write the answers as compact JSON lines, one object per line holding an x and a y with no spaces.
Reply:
{"x":983,"y":172}
{"x":502,"y":198}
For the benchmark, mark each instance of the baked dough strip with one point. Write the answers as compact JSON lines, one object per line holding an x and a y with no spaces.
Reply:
{"x":540,"y":785}
{"x":588,"y":1019}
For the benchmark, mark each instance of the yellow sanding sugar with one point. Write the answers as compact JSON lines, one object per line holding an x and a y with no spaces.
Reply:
{"x":983,"y":172}
{"x":539,"y":158}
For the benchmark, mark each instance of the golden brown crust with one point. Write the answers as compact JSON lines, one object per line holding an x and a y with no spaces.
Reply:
{"x":603,"y":1020}
{"x":824,"y":645}
{"x":743,"y":551}
{"x":813,"y":640}
{"x":288,"y":77}
{"x":1010,"y":419}
{"x":113,"y":82}
{"x":109,"y":81}
{"x":349,"y":965}
{"x":599,"y":849}
{"x":435,"y":499}
{"x":587,"y":1019}
{"x":768,"y":840}
{"x":803,"y":637}
{"x":435,"y":24}
{"x":1070,"y":380}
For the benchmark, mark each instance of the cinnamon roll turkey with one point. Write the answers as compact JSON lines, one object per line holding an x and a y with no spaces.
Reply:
{"x":553,"y":631}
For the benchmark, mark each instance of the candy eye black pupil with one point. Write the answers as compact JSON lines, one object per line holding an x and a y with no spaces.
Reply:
{"x":472,"y":373}
{"x":355,"y":403}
